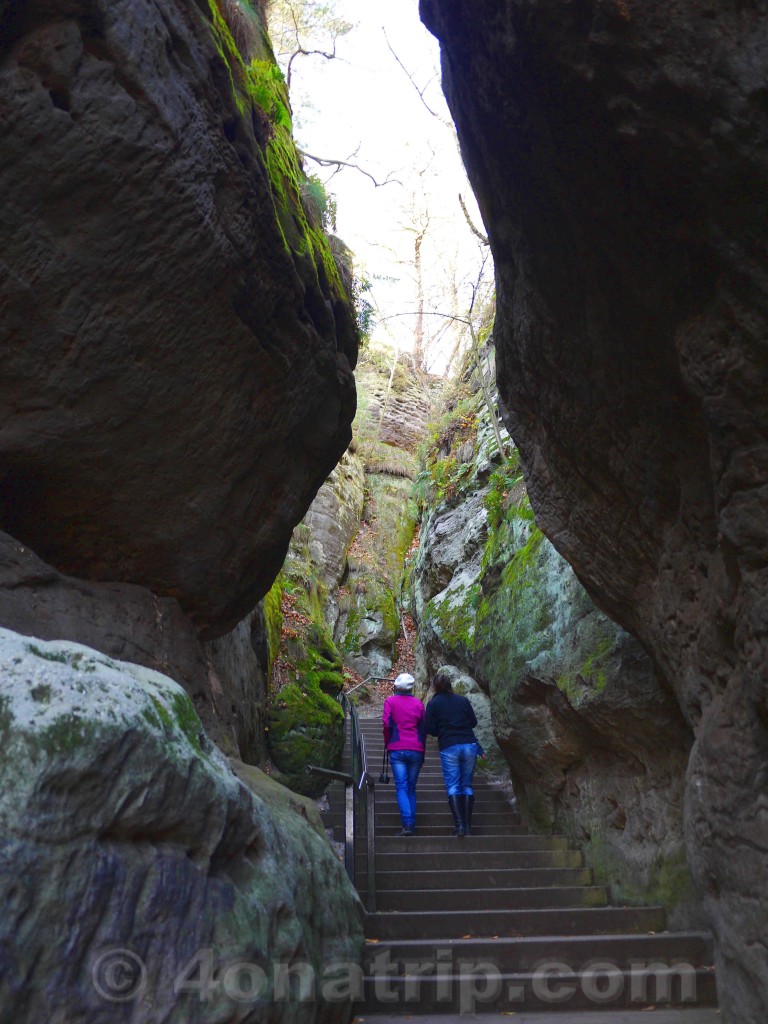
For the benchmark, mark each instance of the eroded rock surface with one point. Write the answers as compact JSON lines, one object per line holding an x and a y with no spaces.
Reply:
{"x":240,"y":660}
{"x":333,"y":520}
{"x":118,"y":807}
{"x":394,"y":407}
{"x":177,"y":343}
{"x":595,"y":744}
{"x":119,"y":620}
{"x":618,"y":152}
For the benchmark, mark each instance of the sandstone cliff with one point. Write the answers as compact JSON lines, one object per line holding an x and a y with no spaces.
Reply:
{"x":618,"y":152}
{"x":178,"y":354}
{"x":566,"y":700}
{"x":176,"y":384}
{"x":395,"y":403}
{"x":340,"y":586}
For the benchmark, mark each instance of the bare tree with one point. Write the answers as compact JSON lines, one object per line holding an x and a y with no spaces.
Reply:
{"x":304,"y":28}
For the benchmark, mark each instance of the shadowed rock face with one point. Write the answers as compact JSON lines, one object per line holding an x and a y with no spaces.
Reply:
{"x":618,"y":150}
{"x":226,"y":678}
{"x":595,"y":743}
{"x":177,"y":347}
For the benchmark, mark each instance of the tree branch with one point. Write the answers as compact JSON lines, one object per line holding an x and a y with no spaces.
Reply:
{"x":415,"y":86}
{"x":475,"y":230}
{"x":338,"y":164}
{"x":301,"y":52}
{"x":427,"y":312}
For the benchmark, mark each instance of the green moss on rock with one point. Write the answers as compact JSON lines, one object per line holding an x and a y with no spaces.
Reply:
{"x":67,"y":734}
{"x":305,"y":722}
{"x":306,"y":727}
{"x":273,"y":615}
{"x":453,"y":615}
{"x":669,"y":882}
{"x":261,"y":98}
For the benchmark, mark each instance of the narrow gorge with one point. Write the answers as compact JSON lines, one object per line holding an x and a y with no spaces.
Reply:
{"x":223,"y":505}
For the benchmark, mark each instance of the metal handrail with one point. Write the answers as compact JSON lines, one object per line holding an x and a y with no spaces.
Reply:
{"x":368,"y":679}
{"x":359,"y":797}
{"x":363,"y":811}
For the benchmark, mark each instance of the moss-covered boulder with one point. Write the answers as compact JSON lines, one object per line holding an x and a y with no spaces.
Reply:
{"x":132,"y":859}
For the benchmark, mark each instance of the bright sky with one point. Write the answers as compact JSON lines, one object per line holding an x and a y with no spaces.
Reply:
{"x":363,"y":104}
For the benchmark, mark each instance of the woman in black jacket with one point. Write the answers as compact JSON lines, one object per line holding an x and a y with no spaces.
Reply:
{"x":451,"y":718}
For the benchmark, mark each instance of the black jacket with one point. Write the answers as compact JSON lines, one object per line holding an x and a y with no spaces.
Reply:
{"x":450,"y":717}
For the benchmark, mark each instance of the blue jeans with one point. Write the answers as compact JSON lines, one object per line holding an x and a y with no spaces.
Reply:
{"x":406,"y":765}
{"x":458,"y":764}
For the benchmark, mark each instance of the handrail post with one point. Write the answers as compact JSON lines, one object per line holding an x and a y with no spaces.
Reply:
{"x":370,"y":801}
{"x":353,"y":785}
{"x":349,"y":830}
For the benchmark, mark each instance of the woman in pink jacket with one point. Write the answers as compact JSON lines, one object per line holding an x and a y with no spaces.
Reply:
{"x":405,"y":739}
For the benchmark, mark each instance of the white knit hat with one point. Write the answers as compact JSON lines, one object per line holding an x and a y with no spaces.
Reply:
{"x":404,"y":681}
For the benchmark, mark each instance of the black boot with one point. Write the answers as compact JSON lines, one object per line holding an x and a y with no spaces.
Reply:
{"x":457,"y":809}
{"x":469,"y":803}
{"x":452,"y":806}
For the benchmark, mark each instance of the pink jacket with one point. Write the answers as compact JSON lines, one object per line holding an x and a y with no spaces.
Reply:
{"x":403,"y":723}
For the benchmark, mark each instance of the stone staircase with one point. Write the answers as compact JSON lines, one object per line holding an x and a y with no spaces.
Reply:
{"x":505,"y":921}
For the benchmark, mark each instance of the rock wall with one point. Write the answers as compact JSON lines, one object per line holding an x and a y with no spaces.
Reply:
{"x":177,"y":377}
{"x":176,"y":384}
{"x":595,"y":744}
{"x":121,"y":810}
{"x":333,"y":520}
{"x":119,"y":620}
{"x":339,"y":588}
{"x":305,"y":721}
{"x":394,"y":408}
{"x":241,"y":660}
{"x":618,"y":152}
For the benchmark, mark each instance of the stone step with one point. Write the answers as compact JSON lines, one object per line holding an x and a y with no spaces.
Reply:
{"x":466,"y":878}
{"x":442,"y":814}
{"x":434,"y":787}
{"x":464,"y":857}
{"x":442,"y":833}
{"x":427,"y":777}
{"x":508,"y":922}
{"x":657,"y":1015}
{"x":529,"y":952}
{"x":428,"y":803}
{"x":441,"y":829}
{"x":435,"y":793}
{"x":437,"y":827}
{"x":606,"y":989}
{"x":492,"y":899}
{"x":439,"y":924}
{"x":507,"y":842}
